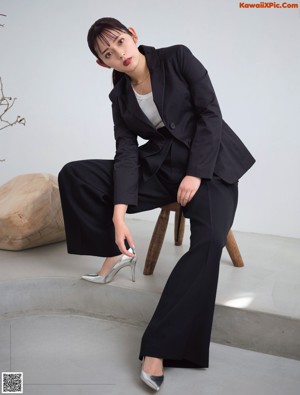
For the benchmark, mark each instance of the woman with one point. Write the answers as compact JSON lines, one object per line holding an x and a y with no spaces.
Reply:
{"x":192,"y":156}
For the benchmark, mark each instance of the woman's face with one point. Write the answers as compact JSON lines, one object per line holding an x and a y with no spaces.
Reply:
{"x":121,"y":53}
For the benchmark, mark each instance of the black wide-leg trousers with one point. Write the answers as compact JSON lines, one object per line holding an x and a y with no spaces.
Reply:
{"x":180,"y":329}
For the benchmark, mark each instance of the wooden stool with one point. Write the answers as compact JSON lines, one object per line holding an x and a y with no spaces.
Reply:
{"x":159,"y":235}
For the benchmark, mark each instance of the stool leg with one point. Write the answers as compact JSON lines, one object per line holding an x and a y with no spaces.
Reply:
{"x":179,"y":233}
{"x":156,"y":241}
{"x":233,"y":250}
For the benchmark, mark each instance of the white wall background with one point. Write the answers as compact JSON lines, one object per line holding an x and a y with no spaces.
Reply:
{"x":252,"y":55}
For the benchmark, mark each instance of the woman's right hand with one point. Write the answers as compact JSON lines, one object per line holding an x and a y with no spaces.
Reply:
{"x":122,"y":231}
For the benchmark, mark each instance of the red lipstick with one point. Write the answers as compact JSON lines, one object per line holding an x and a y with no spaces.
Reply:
{"x":127,"y":62}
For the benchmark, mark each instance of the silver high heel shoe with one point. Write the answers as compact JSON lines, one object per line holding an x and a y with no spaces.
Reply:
{"x":123,"y":262}
{"x":153,"y":382}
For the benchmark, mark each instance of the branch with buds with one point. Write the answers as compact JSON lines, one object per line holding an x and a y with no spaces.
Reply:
{"x":6,"y":104}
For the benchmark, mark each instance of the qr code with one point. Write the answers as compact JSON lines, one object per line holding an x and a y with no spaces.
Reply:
{"x":12,"y":383}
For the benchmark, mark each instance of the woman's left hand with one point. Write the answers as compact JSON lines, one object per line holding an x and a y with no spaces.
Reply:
{"x":187,"y":189}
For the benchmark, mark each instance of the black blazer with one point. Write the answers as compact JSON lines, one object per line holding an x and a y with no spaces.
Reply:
{"x":188,"y":106}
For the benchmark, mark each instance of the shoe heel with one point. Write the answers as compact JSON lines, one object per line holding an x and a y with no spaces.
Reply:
{"x":132,"y":265}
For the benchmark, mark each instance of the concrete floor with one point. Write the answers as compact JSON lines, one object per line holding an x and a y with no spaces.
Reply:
{"x":71,"y":337}
{"x":64,"y":354}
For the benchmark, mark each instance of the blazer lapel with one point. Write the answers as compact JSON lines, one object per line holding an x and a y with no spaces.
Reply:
{"x":126,"y":97}
{"x":157,"y":73}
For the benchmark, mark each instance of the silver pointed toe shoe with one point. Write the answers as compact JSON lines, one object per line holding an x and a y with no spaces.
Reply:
{"x":124,"y":261}
{"x":153,"y":382}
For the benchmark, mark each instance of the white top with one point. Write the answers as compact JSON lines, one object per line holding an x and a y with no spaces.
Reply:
{"x":149,"y":108}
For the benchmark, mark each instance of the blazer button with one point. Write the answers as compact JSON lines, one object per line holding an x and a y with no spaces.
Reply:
{"x":172,"y":125}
